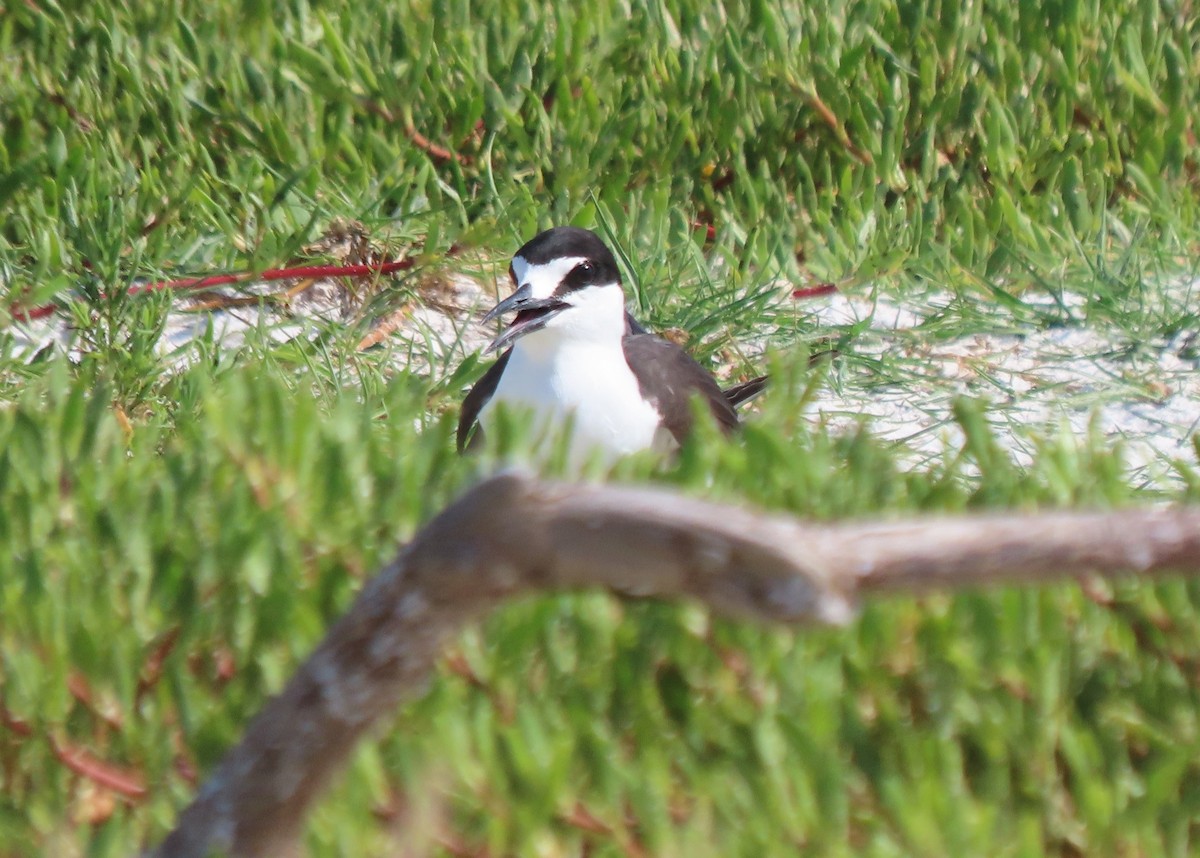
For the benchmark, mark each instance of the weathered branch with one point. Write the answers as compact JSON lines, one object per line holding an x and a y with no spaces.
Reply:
{"x":512,"y":534}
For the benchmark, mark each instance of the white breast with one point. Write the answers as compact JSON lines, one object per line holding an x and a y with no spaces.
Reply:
{"x":584,"y":383}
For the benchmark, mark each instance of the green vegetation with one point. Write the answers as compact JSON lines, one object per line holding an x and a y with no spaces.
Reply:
{"x":175,"y":540}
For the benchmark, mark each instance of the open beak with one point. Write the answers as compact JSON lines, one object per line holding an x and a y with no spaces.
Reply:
{"x":532,"y":315}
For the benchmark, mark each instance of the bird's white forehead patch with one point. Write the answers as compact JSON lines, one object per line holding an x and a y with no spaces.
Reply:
{"x":544,"y":277}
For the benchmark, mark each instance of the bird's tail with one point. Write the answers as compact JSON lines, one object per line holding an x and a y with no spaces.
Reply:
{"x":742,"y":393}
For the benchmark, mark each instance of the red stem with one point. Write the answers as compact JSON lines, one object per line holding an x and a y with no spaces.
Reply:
{"x":225,"y":279}
{"x":814,"y":291}
{"x":84,"y":763}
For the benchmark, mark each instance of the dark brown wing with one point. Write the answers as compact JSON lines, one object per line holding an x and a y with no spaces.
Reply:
{"x":476,"y":399}
{"x":668,"y":377}
{"x":633,"y":326}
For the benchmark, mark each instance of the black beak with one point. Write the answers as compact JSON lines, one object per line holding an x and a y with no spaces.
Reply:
{"x":532,"y":315}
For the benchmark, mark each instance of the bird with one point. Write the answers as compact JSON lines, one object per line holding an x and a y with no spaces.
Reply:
{"x":573,"y":355}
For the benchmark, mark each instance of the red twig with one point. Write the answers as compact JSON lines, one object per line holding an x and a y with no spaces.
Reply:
{"x":18,"y":725}
{"x":710,"y":230}
{"x":81,"y":690}
{"x":84,"y":763}
{"x":152,"y":667}
{"x":814,"y":291}
{"x":434,"y":150}
{"x":212,"y":280}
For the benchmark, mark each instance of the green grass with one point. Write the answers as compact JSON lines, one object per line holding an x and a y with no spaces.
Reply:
{"x":217,"y":517}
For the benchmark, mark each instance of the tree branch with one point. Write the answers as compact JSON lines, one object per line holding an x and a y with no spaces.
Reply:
{"x":512,"y":534}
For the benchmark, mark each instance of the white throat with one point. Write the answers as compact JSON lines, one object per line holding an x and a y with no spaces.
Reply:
{"x":573,"y":372}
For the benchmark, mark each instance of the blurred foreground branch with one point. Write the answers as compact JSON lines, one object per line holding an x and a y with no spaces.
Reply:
{"x":511,"y":535}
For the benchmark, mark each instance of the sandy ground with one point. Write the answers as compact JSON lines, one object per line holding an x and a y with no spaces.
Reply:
{"x":1071,"y":378}
{"x":1075,"y":378}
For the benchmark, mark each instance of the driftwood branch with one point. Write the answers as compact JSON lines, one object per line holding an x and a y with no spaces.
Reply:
{"x":512,"y":534}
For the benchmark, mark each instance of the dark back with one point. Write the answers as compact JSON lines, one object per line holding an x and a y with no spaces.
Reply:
{"x":670,"y":378}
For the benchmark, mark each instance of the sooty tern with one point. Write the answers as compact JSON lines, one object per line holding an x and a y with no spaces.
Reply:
{"x":576,"y":354}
